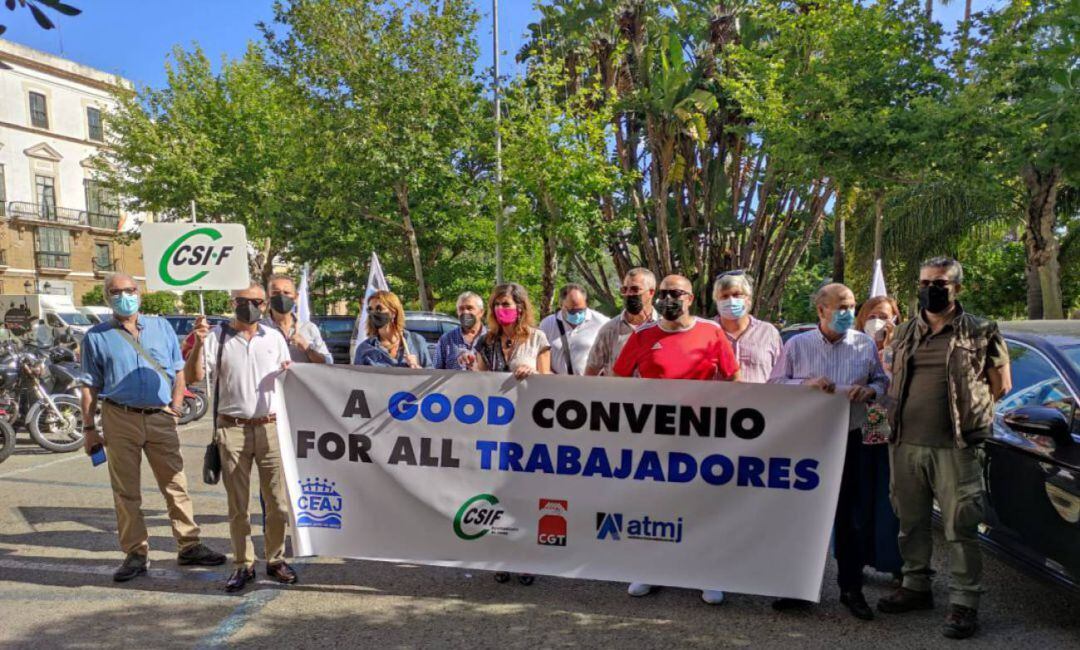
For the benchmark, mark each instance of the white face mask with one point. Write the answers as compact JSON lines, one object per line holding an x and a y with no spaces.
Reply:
{"x":874,"y":326}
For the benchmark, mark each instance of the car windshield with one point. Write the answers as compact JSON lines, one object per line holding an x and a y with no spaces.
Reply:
{"x":336,"y":326}
{"x":74,"y":318}
{"x":425,"y":327}
{"x":182,"y":325}
{"x":93,"y":318}
{"x":1072,"y":353}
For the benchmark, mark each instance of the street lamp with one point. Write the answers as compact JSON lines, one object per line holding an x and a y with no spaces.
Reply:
{"x":27,"y":286}
{"x":45,"y":289}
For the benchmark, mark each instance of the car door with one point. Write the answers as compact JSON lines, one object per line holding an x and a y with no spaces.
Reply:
{"x":1033,"y":484}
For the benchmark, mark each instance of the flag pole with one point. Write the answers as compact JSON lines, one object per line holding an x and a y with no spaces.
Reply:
{"x":498,"y":143}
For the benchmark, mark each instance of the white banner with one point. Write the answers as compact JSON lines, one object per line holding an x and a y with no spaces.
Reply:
{"x":683,"y":483}
{"x":195,"y":256}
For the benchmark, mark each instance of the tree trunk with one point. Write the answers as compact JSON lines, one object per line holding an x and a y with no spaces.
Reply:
{"x":551,"y":270}
{"x":1041,"y":244}
{"x":402,"y":194}
{"x":929,"y":9}
{"x":839,"y":245}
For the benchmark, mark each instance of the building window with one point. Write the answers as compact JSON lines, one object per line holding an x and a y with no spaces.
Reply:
{"x":3,"y":193}
{"x":93,"y":123}
{"x":39,"y":117}
{"x":101,"y":206}
{"x":103,"y":257}
{"x":53,"y":248}
{"x":46,"y":197}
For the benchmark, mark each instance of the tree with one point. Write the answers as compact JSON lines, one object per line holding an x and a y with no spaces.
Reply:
{"x":40,"y":17}
{"x":158,"y":302}
{"x":95,"y":296}
{"x":216,"y":302}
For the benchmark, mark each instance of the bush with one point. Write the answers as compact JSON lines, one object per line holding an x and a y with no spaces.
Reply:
{"x":217,"y":302}
{"x":95,"y":296}
{"x":158,"y":302}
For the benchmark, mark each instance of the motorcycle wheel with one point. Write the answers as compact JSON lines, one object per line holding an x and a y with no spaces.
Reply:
{"x":7,"y":440}
{"x":187,"y":410}
{"x":61,"y":434}
{"x":202,"y":405}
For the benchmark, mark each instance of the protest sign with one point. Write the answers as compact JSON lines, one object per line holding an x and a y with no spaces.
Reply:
{"x":190,"y":256}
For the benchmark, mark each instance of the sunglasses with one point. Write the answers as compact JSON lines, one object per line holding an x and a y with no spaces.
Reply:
{"x":258,"y":302}
{"x":941,"y":284}
{"x":671,"y":293}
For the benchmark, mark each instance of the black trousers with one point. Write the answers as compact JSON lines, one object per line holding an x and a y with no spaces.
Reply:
{"x":853,"y":531}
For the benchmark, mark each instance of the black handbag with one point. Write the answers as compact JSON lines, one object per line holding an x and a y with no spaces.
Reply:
{"x":211,"y":467}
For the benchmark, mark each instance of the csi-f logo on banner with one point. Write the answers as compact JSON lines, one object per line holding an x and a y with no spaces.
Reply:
{"x":480,"y":515}
{"x":195,"y":256}
{"x":319,"y":505}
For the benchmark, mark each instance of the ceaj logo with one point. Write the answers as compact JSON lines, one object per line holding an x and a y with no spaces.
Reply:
{"x":552,"y":528}
{"x":611,"y":525}
{"x":480,"y":515}
{"x":185,"y":262}
{"x":319,"y":505}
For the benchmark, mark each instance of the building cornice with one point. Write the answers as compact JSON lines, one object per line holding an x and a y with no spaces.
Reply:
{"x":59,"y":72}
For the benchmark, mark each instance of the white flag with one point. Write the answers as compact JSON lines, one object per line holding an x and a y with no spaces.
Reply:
{"x":376,"y":281}
{"x":877,"y":285}
{"x":303,"y":306}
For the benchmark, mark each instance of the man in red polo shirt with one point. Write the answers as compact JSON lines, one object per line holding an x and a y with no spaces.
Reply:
{"x":678,"y":346}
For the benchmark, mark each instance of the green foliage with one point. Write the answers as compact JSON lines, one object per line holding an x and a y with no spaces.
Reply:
{"x":40,"y":17}
{"x":158,"y":302}
{"x":94,"y":297}
{"x":216,"y":302}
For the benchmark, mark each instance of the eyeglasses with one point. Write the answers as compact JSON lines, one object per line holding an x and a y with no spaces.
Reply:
{"x":672,"y":293}
{"x":130,"y":291}
{"x":941,"y":284}
{"x":733,"y":272}
{"x":258,"y":302}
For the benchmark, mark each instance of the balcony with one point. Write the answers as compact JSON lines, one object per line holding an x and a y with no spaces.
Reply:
{"x":103,"y":267}
{"x":48,"y":261}
{"x":43,"y":213}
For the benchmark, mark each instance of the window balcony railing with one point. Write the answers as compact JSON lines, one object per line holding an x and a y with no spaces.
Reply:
{"x":45,"y":213}
{"x":104,"y":266}
{"x":103,"y":221}
{"x":49,"y":260}
{"x":3,"y":257}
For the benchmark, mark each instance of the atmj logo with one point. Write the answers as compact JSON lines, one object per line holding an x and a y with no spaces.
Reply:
{"x":181,"y":254}
{"x":480,"y":515}
{"x":319,"y":505}
{"x":552,"y":528}
{"x":611,"y":525}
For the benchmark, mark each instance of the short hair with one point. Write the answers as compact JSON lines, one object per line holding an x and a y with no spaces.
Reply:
{"x":113,"y":276}
{"x":646,"y":274}
{"x":389,"y":300}
{"x":955,"y":270}
{"x":279,"y":276}
{"x":733,"y":280}
{"x":828,"y":289}
{"x":572,"y":286}
{"x":469,"y":295}
{"x":526,"y":315}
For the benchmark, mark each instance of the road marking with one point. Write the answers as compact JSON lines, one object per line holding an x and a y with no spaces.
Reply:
{"x":235,"y":621}
{"x":41,"y":465}
{"x":106,"y":486}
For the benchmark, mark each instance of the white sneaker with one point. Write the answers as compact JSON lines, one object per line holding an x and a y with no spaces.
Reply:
{"x":712,"y":596}
{"x":638,"y":589}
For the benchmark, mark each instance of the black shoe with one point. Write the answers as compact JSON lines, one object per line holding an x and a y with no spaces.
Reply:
{"x":201,"y":555}
{"x":906,"y":600}
{"x":281,"y":572}
{"x":134,"y":565}
{"x":961,"y":622}
{"x":239,"y":579}
{"x":856,"y":603}
{"x":790,"y":604}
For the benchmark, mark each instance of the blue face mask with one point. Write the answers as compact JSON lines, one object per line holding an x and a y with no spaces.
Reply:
{"x":733,"y":308}
{"x":576,"y":317}
{"x":842,"y":320}
{"x":125,"y":304}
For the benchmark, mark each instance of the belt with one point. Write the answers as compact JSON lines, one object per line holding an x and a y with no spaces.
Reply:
{"x":141,"y":410}
{"x":243,"y":422}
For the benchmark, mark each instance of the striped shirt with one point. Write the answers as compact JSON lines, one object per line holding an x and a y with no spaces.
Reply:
{"x":851,"y":361}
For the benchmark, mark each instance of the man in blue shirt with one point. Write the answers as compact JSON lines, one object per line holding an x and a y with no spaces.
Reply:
{"x":133,"y":361}
{"x":462,"y":340}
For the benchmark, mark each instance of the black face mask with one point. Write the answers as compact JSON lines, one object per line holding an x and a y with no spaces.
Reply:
{"x":934,"y":299}
{"x":379,"y":319}
{"x":281,"y":303}
{"x":248,"y":313}
{"x":467,"y":320}
{"x":634,"y":304}
{"x":670,"y":308}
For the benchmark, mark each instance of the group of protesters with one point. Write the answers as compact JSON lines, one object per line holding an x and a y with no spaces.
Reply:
{"x":921,"y":396}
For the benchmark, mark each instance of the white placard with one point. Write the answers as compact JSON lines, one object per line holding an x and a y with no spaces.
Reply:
{"x":195,"y":256}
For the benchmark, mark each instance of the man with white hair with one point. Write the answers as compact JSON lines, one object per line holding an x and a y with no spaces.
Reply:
{"x":757,"y":343}
{"x":638,"y":289}
{"x":134,"y":361}
{"x":462,"y":340}
{"x":245,"y":357}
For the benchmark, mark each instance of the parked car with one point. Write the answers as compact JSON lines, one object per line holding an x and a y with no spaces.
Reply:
{"x":1032,"y":466}
{"x":182,"y":324}
{"x":798,"y":328}
{"x":336,"y":332}
{"x":431,"y":325}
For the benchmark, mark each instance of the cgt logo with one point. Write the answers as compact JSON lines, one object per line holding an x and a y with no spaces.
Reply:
{"x":613,"y":526}
{"x":552,"y":527}
{"x":480,"y":515}
{"x":189,"y":257}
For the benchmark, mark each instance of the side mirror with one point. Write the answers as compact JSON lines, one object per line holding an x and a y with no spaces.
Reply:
{"x":1040,"y":421}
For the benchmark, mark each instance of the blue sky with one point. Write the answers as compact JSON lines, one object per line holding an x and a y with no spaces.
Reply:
{"x":133,"y":37}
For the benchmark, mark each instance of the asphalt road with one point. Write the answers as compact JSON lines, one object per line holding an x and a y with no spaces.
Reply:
{"x":58,"y":549}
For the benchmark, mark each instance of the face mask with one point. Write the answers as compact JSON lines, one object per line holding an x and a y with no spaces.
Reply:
{"x":575,"y":317}
{"x":281,"y":303}
{"x":247,"y":313}
{"x":842,"y":320}
{"x":467,"y":321}
{"x":506,"y":315}
{"x":634,"y":304}
{"x":379,"y":319}
{"x":935,"y":299}
{"x":670,"y":308}
{"x":733,"y":308}
{"x":875,"y":325}
{"x":125,"y":304}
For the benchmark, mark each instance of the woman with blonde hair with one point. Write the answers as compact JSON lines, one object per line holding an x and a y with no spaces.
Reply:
{"x":513,"y":343}
{"x":389,"y":344}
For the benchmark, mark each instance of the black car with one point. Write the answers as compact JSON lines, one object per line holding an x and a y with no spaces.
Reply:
{"x":1032,"y":466}
{"x":337,"y":333}
{"x":182,"y":324}
{"x":798,"y":328}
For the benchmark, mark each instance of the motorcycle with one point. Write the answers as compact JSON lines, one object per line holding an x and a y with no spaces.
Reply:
{"x":195,"y":404}
{"x":42,"y":396}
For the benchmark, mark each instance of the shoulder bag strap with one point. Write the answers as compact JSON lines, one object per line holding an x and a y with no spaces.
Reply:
{"x":126,"y":335}
{"x":566,"y":345}
{"x":226,"y":332}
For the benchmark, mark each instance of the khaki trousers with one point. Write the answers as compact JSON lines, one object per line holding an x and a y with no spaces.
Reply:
{"x":242,"y":446}
{"x":954,"y":477}
{"x":127,"y":437}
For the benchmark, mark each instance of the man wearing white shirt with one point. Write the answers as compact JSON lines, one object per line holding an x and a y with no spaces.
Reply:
{"x":245,"y":357}
{"x":572,"y":330}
